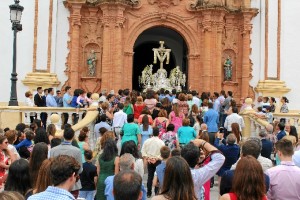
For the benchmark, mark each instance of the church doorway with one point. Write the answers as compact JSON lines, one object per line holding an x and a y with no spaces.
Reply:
{"x":143,"y":54}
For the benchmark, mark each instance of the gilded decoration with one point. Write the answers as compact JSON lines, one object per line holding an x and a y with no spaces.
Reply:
{"x":211,"y":29}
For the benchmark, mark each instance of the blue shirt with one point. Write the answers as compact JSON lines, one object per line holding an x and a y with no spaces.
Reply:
{"x":145,"y":134}
{"x":211,"y":118}
{"x":280,"y":135}
{"x":160,"y":171}
{"x":52,"y":193}
{"x":108,"y":192}
{"x":50,"y":101}
{"x":67,"y":98}
{"x":186,"y":134}
{"x":26,"y":143}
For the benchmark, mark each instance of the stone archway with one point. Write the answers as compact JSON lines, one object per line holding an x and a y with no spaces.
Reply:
{"x":143,"y":53}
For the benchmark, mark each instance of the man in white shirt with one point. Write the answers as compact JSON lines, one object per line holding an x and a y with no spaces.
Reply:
{"x":151,"y":152}
{"x":101,"y":124}
{"x":217,"y":102}
{"x":196,"y":100}
{"x":234,"y":117}
{"x":120,"y":118}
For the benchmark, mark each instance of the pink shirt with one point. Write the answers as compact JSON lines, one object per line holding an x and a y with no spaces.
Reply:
{"x":284,"y":182}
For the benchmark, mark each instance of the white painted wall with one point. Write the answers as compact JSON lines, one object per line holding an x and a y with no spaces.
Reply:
{"x":24,"y":48}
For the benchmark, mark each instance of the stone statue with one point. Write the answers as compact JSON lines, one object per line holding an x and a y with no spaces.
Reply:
{"x":228,"y":69}
{"x":91,"y":61}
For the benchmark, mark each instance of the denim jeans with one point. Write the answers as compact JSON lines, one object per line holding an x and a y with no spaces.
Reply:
{"x":88,"y":195}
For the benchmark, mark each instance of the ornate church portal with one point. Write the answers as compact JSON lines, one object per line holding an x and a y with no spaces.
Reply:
{"x":215,"y":42}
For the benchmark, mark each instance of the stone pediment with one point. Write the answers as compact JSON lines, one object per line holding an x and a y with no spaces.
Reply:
{"x":127,"y":2}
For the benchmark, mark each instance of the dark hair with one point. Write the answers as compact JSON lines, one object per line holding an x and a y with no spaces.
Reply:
{"x":20,"y":127}
{"x":120,"y":91}
{"x":248,"y":179}
{"x":130,"y":147}
{"x":293,"y":132}
{"x":51,"y":130}
{"x":259,"y":109}
{"x":155,"y":131}
{"x":11,"y":136}
{"x":252,"y":148}
{"x":103,"y":118}
{"x":191,"y":154}
{"x":145,"y":122}
{"x":210,"y":105}
{"x":170,"y":127}
{"x":281,"y":126}
{"x":110,"y":150}
{"x":216,"y":94}
{"x":29,"y":135}
{"x":62,"y":168}
{"x":235,"y":128}
{"x":102,"y":130}
{"x":46,"y":90}
{"x":120,"y":106}
{"x":18,"y":178}
{"x":44,"y":178}
{"x":130,"y":118}
{"x":67,"y":88}
{"x":69,"y":134}
{"x":178,"y":182}
{"x":122,"y":180}
{"x":88,"y":154}
{"x":175,"y":152}
{"x":82,"y":136}
{"x":38,"y":123}
{"x":235,"y":109}
{"x":273,"y":99}
{"x":165,"y":152}
{"x":285,"y":146}
{"x":39,"y":88}
{"x":229,"y":93}
{"x":38,"y":155}
{"x":285,"y":99}
{"x":66,"y":126}
{"x":55,"y":142}
{"x":145,"y":111}
{"x":41,"y":136}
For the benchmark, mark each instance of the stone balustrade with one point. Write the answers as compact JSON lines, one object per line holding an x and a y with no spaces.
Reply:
{"x":291,"y":118}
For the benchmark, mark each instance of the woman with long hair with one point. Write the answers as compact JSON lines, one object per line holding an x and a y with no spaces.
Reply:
{"x":182,"y":104}
{"x":100,"y":143}
{"x":18,"y":178}
{"x":146,"y":112}
{"x":138,"y":107}
{"x":44,"y":177}
{"x":130,"y":147}
{"x":161,"y":122}
{"x":272,"y":104}
{"x":51,"y":130}
{"x":38,"y":155}
{"x":176,"y":117}
{"x":4,"y":159}
{"x":83,"y":143}
{"x":293,"y":132}
{"x":166,"y":104}
{"x":248,"y":181}
{"x":107,"y":165}
{"x":150,"y":100}
{"x":235,"y":129}
{"x":145,"y":129}
{"x":128,"y":107}
{"x":41,"y":136}
{"x":178,"y":183}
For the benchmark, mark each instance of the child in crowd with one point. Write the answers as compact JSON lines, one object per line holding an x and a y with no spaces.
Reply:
{"x":160,"y":169}
{"x":169,"y":138}
{"x":88,"y":177}
{"x":269,"y":115}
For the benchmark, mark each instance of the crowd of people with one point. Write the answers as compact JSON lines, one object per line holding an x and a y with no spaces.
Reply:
{"x":182,"y":141}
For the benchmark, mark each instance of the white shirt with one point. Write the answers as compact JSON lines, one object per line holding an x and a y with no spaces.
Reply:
{"x":151,"y":147}
{"x":196,"y":101}
{"x":296,"y":158}
{"x":234,"y":118}
{"x":264,"y":162}
{"x":102,"y":98}
{"x":120,"y":118}
{"x":13,"y":150}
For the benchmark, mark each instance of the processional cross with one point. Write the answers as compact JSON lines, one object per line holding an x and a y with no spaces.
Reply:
{"x":161,"y":53}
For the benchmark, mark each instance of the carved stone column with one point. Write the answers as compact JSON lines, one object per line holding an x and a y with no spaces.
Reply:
{"x":74,"y":55}
{"x":218,"y":68}
{"x":193,"y":72}
{"x":206,"y":73}
{"x":127,"y":73}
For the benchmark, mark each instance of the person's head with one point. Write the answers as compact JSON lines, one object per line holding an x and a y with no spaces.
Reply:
{"x":44,"y":178}
{"x":204,"y":135}
{"x":64,"y":171}
{"x":252,"y":148}
{"x":268,"y":109}
{"x":259,"y":99}
{"x":235,"y":128}
{"x":58,"y":93}
{"x":41,"y":136}
{"x":191,"y":154}
{"x":39,"y":90}
{"x":259,"y":109}
{"x":284,"y":148}
{"x":269,"y":128}
{"x":105,"y":105}
{"x":11,"y":195}
{"x":229,"y":93}
{"x":145,"y":122}
{"x":175,"y":152}
{"x":38,"y":155}
{"x":262,"y":133}
{"x":88,"y":155}
{"x":130,"y":118}
{"x":155,"y":131}
{"x":281,"y":126}
{"x":29,"y":135}
{"x":28,"y":94}
{"x":272,"y":100}
{"x":122,"y":180}
{"x":18,"y":178}
{"x":130,"y":147}
{"x":145,"y":111}
{"x":284,"y":100}
{"x":189,"y":97}
{"x":68,"y":90}
{"x":120,"y":106}
{"x":171,"y":127}
{"x":69,"y":134}
{"x":139,"y":99}
{"x":178,"y":182}
{"x":287,"y":127}
{"x":162,"y":113}
{"x":82,"y":136}
{"x":175,"y":109}
{"x":210,"y":105}
{"x":248,"y":180}
{"x":51,"y":130}
{"x":235,"y":110}
{"x":11,"y":136}
{"x":51,"y":91}
{"x":102,"y":130}
{"x":265,"y":99}
{"x":37,"y":123}
{"x":186,"y":122}
{"x":216,"y":95}
{"x":195,"y":109}
{"x":20,"y":127}
{"x":165,"y":152}
{"x":203,"y":127}
{"x":46,"y":91}
{"x":293,"y":132}
{"x":110,"y":150}
{"x":55,"y":142}
{"x":107,"y":135}
{"x":126,"y":162}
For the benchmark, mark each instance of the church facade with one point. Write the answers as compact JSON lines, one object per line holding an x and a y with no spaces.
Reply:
{"x":91,"y":44}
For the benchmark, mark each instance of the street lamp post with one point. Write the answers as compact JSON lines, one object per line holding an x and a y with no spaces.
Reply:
{"x":15,"y":18}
